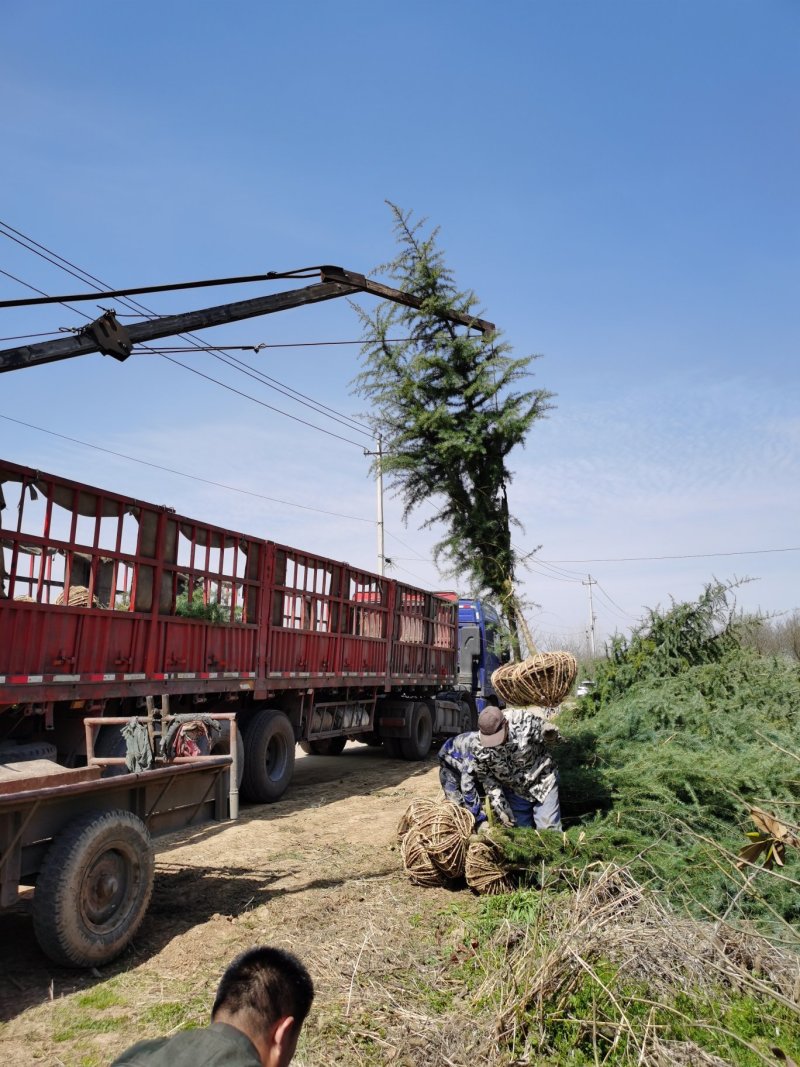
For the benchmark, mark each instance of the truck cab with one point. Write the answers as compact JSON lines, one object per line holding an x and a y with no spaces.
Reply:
{"x":480,"y":652}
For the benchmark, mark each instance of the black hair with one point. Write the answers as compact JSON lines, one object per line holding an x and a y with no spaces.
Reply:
{"x":266,"y":984}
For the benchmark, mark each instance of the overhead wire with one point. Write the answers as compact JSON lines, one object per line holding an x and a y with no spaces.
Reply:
{"x":296,"y":395}
{"x":184,"y":474}
{"x":114,"y":294}
{"x":33,"y":289}
{"x":691,"y":555}
{"x":26,"y":336}
{"x":77,"y":272}
{"x":603,"y":592}
{"x":276,"y":344}
{"x":71,"y":268}
{"x":261,"y":403}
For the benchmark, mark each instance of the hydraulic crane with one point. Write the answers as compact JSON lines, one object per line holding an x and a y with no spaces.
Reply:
{"x":109,"y":336}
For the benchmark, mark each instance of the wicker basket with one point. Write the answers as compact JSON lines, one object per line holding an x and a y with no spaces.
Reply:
{"x":418,"y":865}
{"x":78,"y":597}
{"x":445,"y":833}
{"x":416,"y":811}
{"x":486,"y":873}
{"x":543,"y":679}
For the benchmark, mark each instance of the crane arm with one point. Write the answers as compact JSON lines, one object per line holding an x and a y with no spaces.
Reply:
{"x":109,"y":336}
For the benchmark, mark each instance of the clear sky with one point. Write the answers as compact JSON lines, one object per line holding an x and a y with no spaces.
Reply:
{"x":617,"y":181}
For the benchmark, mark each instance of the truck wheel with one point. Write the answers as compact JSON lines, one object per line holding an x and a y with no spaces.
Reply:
{"x":418,"y":745}
{"x":93,"y":889}
{"x":325,"y":746}
{"x":467,"y":720}
{"x":392,"y":746}
{"x":268,"y":756}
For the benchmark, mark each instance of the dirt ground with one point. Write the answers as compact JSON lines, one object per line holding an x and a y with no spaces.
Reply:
{"x":319,"y":873}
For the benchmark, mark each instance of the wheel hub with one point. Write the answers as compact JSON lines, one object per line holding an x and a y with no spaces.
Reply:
{"x":104,"y":887}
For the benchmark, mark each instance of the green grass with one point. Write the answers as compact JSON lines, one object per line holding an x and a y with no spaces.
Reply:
{"x":168,"y":1016}
{"x":101,"y":997}
{"x":67,"y":1029}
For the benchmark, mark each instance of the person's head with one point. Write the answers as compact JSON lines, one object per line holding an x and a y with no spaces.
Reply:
{"x":266,"y":993}
{"x":492,"y":727}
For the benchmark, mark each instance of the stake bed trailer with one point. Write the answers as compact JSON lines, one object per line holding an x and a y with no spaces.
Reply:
{"x":108,"y":604}
{"x":85,"y":843}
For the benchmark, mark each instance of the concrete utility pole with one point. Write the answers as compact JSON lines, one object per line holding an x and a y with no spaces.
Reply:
{"x":592,"y":617}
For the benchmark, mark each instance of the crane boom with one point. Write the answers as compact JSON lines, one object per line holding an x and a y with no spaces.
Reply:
{"x":110,"y":337}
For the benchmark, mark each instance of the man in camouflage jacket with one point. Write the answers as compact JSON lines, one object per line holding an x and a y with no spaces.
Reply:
{"x":460,"y":783}
{"x":513,"y":761}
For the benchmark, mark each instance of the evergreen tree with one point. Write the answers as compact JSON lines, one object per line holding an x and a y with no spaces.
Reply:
{"x":449,"y":406}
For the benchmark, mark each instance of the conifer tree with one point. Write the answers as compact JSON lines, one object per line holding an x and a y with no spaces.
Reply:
{"x":450,"y":405}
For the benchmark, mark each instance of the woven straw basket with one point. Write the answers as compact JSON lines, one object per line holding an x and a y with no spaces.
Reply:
{"x":543,"y":679}
{"x":485,"y":871}
{"x":418,"y":865}
{"x":445,"y":834}
{"x":78,"y":597}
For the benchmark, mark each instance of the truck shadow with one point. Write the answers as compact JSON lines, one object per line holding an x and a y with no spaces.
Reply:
{"x":182,"y":899}
{"x":186,"y":897}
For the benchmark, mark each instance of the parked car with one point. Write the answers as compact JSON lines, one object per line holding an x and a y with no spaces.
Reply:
{"x":584,"y":688}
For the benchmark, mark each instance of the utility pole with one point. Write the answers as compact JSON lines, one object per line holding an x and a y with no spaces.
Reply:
{"x":592,"y":616}
{"x":379,"y":483}
{"x":379,"y":526}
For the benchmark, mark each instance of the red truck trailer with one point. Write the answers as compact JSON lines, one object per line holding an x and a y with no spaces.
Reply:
{"x":110,"y":606}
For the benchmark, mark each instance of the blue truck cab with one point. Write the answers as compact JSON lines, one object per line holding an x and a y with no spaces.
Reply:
{"x":479,"y":651}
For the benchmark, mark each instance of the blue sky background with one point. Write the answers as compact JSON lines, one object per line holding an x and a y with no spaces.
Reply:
{"x":618,"y":182}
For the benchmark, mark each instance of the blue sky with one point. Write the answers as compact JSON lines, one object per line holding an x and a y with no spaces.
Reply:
{"x":618,"y":182}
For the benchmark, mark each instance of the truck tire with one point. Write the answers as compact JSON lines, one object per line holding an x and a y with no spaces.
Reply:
{"x":325,"y":746}
{"x":468,"y":719}
{"x":393,"y":747}
{"x":268,"y":756}
{"x":93,"y":889}
{"x":418,"y":745}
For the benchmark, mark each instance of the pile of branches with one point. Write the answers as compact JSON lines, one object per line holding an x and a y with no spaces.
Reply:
{"x":686,"y":732}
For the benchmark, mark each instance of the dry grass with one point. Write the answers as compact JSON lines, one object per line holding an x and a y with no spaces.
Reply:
{"x":613,"y":936}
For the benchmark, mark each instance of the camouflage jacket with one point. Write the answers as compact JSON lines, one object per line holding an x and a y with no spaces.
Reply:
{"x":523,"y":763}
{"x":458,"y":754}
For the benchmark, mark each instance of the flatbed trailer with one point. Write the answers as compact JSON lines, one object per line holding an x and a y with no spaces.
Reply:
{"x":110,"y":605}
{"x":84,"y":842}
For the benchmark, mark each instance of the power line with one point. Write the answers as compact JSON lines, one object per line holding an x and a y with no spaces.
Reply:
{"x":611,"y":605}
{"x":296,"y":395}
{"x":282,"y":344}
{"x":262,"y":403}
{"x":33,"y":289}
{"x":552,"y":575}
{"x":422,"y":559}
{"x":694,"y":555}
{"x":424,"y":581}
{"x":72,"y":268}
{"x":183,"y":474}
{"x":25,"y":336}
{"x":113,"y":294}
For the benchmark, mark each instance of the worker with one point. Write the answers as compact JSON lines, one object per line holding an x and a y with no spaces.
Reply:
{"x":461,"y":784}
{"x":514,"y":749}
{"x":262,"y":1001}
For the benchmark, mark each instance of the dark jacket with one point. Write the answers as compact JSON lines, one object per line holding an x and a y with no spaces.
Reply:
{"x":218,"y":1045}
